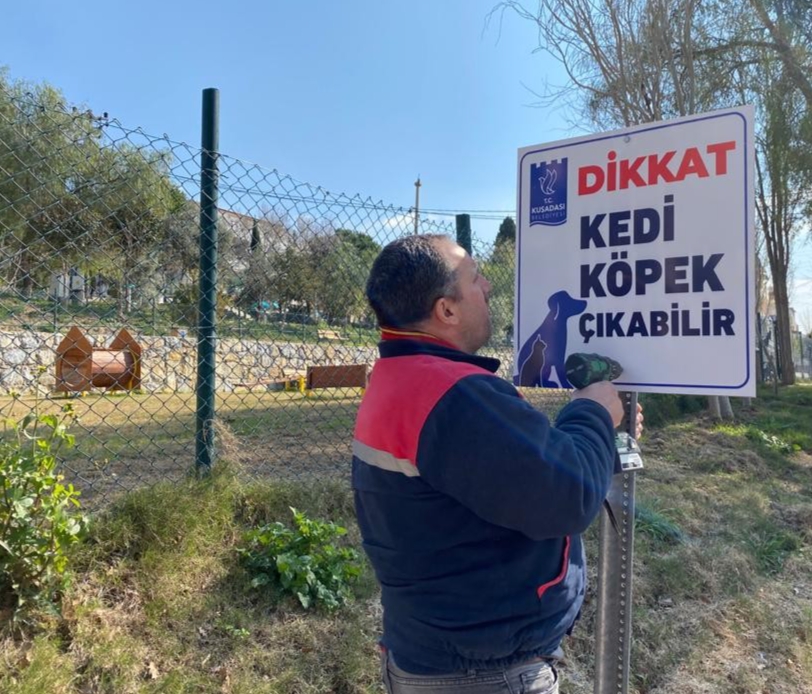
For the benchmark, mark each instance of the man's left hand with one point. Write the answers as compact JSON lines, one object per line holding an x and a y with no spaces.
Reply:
{"x":638,"y":428}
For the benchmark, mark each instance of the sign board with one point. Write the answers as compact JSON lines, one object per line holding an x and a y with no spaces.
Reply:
{"x":638,"y":245}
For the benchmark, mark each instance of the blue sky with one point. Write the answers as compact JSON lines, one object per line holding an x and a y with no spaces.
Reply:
{"x":357,"y":96}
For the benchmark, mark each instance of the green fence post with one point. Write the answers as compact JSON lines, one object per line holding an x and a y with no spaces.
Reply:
{"x":464,"y":231}
{"x":206,"y":323}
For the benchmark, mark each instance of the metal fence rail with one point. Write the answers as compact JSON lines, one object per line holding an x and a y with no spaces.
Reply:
{"x":100,"y":231}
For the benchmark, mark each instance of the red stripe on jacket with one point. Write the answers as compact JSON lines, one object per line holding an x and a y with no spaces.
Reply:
{"x":564,"y":566}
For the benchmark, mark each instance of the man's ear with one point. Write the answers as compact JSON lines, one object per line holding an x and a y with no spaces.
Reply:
{"x":445,"y":311}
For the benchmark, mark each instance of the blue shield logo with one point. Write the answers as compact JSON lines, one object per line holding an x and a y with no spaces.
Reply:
{"x":548,"y":193}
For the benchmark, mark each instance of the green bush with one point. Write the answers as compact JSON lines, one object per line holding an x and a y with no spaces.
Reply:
{"x":303,"y":562}
{"x":38,"y":524}
{"x":661,"y":409}
{"x":184,"y":306}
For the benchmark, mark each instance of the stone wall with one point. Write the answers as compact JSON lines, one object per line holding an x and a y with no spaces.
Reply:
{"x":169,"y":363}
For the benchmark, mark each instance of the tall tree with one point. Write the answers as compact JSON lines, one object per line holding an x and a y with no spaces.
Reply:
{"x":70,"y":195}
{"x":500,"y":271}
{"x":634,"y":61}
{"x":47,"y":153}
{"x":507,"y":231}
{"x":134,"y":197}
{"x":341,"y":263}
{"x":788,"y":23}
{"x":783,"y":184}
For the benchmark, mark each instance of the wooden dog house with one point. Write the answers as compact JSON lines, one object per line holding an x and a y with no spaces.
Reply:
{"x":80,"y":366}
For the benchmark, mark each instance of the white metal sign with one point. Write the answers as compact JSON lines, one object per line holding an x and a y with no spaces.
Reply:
{"x":638,"y":245}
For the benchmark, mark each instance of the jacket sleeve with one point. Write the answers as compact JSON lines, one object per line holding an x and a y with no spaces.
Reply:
{"x":489,"y":449}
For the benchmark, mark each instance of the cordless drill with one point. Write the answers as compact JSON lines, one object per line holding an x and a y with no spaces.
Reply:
{"x":584,"y":369}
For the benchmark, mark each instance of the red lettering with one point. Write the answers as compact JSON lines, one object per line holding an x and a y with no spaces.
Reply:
{"x":652,"y":169}
{"x":720,"y":150}
{"x":658,"y":168}
{"x":585,"y":187}
{"x":692,"y":164}
{"x":629,"y":173}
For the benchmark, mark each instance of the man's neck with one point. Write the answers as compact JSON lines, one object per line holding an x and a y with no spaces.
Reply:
{"x":418,"y":333}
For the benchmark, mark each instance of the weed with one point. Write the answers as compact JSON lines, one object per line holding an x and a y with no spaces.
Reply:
{"x":304,"y":561}
{"x":37,"y":523}
{"x":771,"y":441}
{"x":771,"y":545}
{"x":656,"y":525}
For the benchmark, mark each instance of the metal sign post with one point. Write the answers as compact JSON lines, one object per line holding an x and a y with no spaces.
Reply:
{"x":615,"y":560}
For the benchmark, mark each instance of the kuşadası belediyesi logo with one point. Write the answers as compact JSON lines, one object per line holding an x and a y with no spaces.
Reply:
{"x":548,"y":192}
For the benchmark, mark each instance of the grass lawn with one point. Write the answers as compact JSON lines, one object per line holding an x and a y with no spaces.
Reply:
{"x":160,"y":603}
{"x":127,"y":441}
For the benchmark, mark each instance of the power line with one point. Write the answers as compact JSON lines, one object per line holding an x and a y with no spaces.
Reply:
{"x":455,"y":211}
{"x":332,"y":200}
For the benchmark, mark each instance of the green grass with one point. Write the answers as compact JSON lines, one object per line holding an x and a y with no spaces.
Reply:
{"x":657,"y":525}
{"x":127,"y":441}
{"x":785,"y":417}
{"x":159,"y":602}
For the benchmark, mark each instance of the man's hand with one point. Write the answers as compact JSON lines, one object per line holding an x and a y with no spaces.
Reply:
{"x":606,"y":394}
{"x":638,"y":425}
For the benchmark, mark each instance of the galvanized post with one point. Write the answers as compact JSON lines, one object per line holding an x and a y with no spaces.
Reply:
{"x":615,"y":561}
{"x":206,"y":326}
{"x":464,"y":231}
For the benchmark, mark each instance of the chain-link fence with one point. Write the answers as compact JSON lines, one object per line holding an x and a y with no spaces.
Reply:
{"x":769,"y":364}
{"x":100,"y":262}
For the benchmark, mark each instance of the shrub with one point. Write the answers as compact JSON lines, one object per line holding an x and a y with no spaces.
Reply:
{"x":661,"y":409}
{"x":183,"y":309}
{"x":303,"y":562}
{"x":37,"y":520}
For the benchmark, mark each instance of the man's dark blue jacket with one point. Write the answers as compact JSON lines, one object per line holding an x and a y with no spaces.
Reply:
{"x":471,"y":506}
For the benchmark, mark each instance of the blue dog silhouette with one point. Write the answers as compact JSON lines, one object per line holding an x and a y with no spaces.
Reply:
{"x":547,"y":347}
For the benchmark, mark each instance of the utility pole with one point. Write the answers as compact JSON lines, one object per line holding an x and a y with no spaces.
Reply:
{"x":416,"y":202}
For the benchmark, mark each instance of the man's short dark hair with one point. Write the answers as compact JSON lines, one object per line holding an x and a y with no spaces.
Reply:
{"x":407,"y":278}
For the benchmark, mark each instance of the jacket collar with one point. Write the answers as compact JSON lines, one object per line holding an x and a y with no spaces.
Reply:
{"x":402,"y":343}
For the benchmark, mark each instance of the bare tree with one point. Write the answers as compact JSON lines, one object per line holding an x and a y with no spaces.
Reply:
{"x":635,"y":61}
{"x":789,"y":24}
{"x":629,"y":61}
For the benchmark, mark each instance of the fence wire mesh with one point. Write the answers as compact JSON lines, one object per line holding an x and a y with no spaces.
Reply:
{"x":769,"y":366}
{"x":99,"y":286}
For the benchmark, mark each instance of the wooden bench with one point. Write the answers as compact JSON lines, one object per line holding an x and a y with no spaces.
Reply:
{"x":336,"y":376}
{"x":328,"y":335}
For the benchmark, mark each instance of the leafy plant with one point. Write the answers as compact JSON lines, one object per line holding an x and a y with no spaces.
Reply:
{"x":771,"y":441}
{"x":304,"y":562}
{"x":37,"y":520}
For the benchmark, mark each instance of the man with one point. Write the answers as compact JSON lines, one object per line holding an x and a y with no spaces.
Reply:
{"x":470,"y":503}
